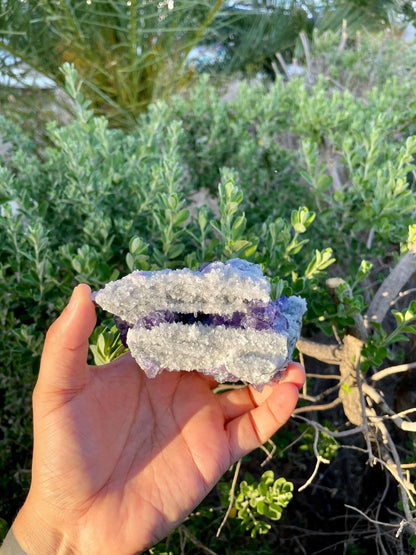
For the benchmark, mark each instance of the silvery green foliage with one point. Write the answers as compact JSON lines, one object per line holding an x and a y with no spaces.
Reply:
{"x":255,"y":503}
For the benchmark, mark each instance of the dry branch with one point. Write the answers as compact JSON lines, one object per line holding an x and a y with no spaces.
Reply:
{"x":391,"y":287}
{"x":325,"y":353}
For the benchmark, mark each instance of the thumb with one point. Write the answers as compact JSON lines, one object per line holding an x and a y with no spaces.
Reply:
{"x":63,"y":367}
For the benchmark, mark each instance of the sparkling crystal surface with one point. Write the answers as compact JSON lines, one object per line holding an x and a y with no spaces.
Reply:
{"x":218,"y":320}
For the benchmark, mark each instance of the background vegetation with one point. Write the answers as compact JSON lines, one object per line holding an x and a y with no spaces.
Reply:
{"x":130,"y":53}
{"x":312,"y":177}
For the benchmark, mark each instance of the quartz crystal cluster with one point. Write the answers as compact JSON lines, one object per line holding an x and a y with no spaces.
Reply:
{"x":219,"y":320}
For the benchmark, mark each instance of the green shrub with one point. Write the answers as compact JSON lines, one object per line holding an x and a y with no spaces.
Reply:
{"x":308,"y":181}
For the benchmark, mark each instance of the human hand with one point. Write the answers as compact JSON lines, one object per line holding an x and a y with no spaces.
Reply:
{"x":120,"y":460}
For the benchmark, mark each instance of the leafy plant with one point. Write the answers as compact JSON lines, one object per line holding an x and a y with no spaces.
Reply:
{"x":286,"y":170}
{"x":125,"y":51}
{"x":266,"y":498}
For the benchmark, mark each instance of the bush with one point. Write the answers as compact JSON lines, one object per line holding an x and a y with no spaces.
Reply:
{"x":312,"y":183}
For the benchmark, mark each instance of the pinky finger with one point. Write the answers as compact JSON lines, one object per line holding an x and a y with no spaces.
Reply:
{"x":255,"y":427}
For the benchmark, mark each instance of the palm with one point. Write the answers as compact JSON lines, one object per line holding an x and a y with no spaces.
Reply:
{"x":158,"y":441}
{"x":120,"y":459}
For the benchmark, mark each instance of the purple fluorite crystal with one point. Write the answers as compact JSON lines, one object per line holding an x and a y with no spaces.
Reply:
{"x":218,"y":320}
{"x":259,"y":316}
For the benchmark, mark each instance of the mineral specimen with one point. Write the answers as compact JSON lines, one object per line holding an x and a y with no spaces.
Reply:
{"x":219,"y":320}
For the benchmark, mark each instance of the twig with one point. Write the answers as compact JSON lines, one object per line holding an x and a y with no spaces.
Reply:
{"x":370,"y":239}
{"x":344,"y":37}
{"x":364,"y":412}
{"x":327,"y":406}
{"x":319,"y":459}
{"x":268,"y":453}
{"x":283,"y":64}
{"x":402,"y":294}
{"x":393,"y":370}
{"x":377,"y":522}
{"x":336,"y":83}
{"x":335,"y":435}
{"x":275,"y":68}
{"x":195,"y":541}
{"x":292,"y":443}
{"x":230,"y":504}
{"x":300,"y":546}
{"x":393,"y":464}
{"x":391,"y":286}
{"x":305,"y":43}
{"x":389,"y":413}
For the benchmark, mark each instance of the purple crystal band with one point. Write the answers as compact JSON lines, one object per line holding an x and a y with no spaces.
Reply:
{"x":259,"y":316}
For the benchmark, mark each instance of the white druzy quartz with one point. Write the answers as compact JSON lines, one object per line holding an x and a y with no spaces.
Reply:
{"x":218,"y":289}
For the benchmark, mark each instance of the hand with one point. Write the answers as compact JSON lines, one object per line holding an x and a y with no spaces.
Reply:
{"x":120,"y":460}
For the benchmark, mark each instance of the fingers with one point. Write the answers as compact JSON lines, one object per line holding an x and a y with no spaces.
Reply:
{"x":259,"y":415}
{"x":64,"y":359}
{"x":236,"y":402}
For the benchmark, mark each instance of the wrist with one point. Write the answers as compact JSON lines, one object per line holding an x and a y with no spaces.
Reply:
{"x":36,"y":537}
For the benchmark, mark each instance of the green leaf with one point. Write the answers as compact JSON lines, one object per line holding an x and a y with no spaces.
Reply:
{"x":238,"y":226}
{"x":203,"y":217}
{"x":324,"y":183}
{"x":363,"y":271}
{"x":175,"y":251}
{"x":181,"y":217}
{"x":130,"y":261}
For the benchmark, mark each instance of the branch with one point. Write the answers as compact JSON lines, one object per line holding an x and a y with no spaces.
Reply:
{"x":325,"y":353}
{"x":360,"y":386}
{"x":344,"y":37}
{"x":232,"y":496}
{"x":377,"y":522}
{"x":391,"y":287}
{"x":393,"y":370}
{"x":319,"y":459}
{"x":305,"y":43}
{"x":335,"y":435}
{"x":350,"y":393}
{"x":283,"y":64}
{"x":398,"y":421}
{"x":195,"y":541}
{"x":326,"y":406}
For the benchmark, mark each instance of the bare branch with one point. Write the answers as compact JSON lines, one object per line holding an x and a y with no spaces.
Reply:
{"x":389,"y":413}
{"x":319,"y":459}
{"x":195,"y":541}
{"x":283,"y":64}
{"x":335,"y":435}
{"x":349,"y":393}
{"x":311,"y":478}
{"x":377,"y":522}
{"x":391,"y":287}
{"x":275,"y":68}
{"x":268,"y":453}
{"x":393,"y":370}
{"x":232,"y":495}
{"x":360,"y":386}
{"x":344,"y":37}
{"x":305,"y":43}
{"x":327,"y":406}
{"x":325,"y":353}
